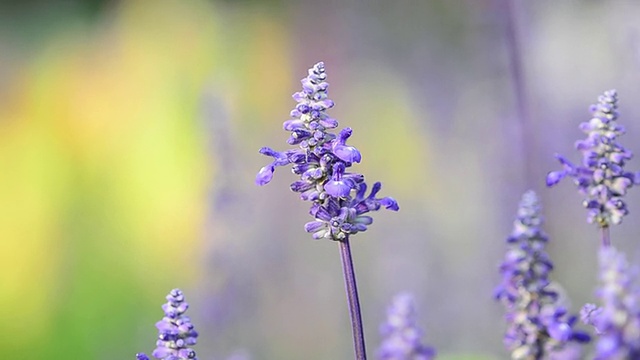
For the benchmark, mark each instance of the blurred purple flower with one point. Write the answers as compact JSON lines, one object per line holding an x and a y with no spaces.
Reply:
{"x":176,"y":333}
{"x":601,"y":177}
{"x":321,"y":159}
{"x":618,"y":319}
{"x":400,"y":334}
{"x":589,"y":313}
{"x":537,"y":325}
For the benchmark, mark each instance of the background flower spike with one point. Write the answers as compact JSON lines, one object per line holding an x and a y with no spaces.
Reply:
{"x":617,"y":320}
{"x":401,"y":337}
{"x":601,"y":176}
{"x":538,"y":325}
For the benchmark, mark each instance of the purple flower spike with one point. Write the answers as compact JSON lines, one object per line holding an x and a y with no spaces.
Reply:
{"x":322,"y":159}
{"x":617,"y":321}
{"x":537,"y":325}
{"x":176,"y":333}
{"x":400,"y":334}
{"x":601,"y":176}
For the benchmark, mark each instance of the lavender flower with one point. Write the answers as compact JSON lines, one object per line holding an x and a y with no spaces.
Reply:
{"x":176,"y":333}
{"x":401,"y":336}
{"x":321,"y":159}
{"x":537,"y":325}
{"x":601,"y":177}
{"x":617,"y":321}
{"x":339,"y":200}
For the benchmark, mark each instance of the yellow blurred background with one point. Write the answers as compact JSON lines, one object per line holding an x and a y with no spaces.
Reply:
{"x":105,"y":174}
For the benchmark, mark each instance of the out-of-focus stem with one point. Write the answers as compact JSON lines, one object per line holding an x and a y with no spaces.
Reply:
{"x":517,"y":77}
{"x":606,"y":238}
{"x":352,"y":299}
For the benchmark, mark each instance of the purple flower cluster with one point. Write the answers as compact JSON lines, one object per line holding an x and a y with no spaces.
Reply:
{"x":537,"y":324}
{"x":601,"y":177}
{"x":321,"y":159}
{"x":176,"y":333}
{"x":617,"y":321}
{"x":401,"y":336}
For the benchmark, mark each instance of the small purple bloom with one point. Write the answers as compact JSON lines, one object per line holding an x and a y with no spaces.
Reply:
{"x":601,"y":176}
{"x":175,"y":332}
{"x":400,"y":334}
{"x":344,"y":152}
{"x":537,"y":325}
{"x":321,"y":159}
{"x":589,"y":315}
{"x":339,"y":186}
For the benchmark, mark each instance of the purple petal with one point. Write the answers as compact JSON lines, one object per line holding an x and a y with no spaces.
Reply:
{"x":164,"y":326}
{"x":598,"y":175}
{"x":339,"y":188}
{"x":589,"y":314}
{"x":620,"y":185}
{"x":161,"y":352}
{"x":291,"y":125}
{"x":329,"y":123}
{"x":321,"y":213}
{"x":389,"y":203}
{"x":301,"y":186}
{"x":314,"y":226}
{"x":580,"y":337}
{"x":265,"y":175}
{"x":554,"y":177}
{"x":344,"y":135}
{"x":359,"y":227}
{"x":565,"y":162}
{"x":347,"y":153}
{"x":268,"y":151}
{"x":186,"y":353}
{"x":560,"y":331}
{"x":326,"y":103}
{"x":299,"y":96}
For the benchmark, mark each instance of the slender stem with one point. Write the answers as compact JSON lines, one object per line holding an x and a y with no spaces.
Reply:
{"x":606,"y":239}
{"x":519,"y":89}
{"x":352,"y":299}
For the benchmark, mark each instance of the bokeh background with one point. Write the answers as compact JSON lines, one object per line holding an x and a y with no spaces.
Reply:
{"x":129,"y":133}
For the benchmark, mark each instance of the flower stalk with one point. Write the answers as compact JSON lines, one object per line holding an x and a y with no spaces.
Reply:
{"x":353,"y":301}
